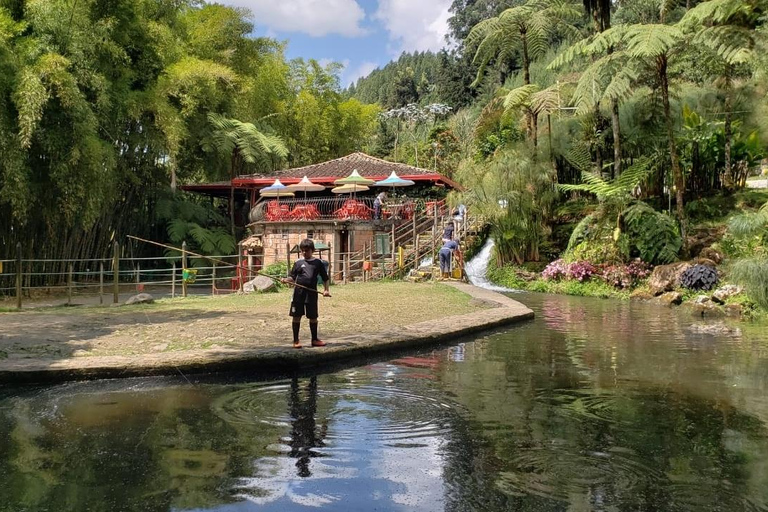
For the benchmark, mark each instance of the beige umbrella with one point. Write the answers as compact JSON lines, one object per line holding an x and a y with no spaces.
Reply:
{"x":351,"y":188}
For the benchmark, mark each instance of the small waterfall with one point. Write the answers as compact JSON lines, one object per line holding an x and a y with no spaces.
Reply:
{"x":477,"y":267}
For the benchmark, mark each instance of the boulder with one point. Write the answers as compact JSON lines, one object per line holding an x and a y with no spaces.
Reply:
{"x":715,"y":329}
{"x":734,"y":310}
{"x":704,"y":307}
{"x":640,"y":294}
{"x":666,"y":277}
{"x":260,"y":284}
{"x":725,"y":292}
{"x":141,"y":298}
{"x":701,"y":300}
{"x":670,"y":299}
{"x":711,"y":254}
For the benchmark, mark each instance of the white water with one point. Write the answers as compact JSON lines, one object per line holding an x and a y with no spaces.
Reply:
{"x":477,"y":267}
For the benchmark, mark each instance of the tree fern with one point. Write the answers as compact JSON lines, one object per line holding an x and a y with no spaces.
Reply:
{"x":654,"y":235}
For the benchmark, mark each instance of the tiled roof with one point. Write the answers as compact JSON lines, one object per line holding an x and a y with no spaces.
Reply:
{"x":368,"y":166}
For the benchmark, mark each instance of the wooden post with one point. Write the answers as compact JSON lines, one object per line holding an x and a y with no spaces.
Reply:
{"x":101,"y":283}
{"x":116,"y":273}
{"x":238,"y":273}
{"x":434,"y":236}
{"x":346,"y":267}
{"x":18,"y":275}
{"x":288,"y":255}
{"x":183,"y":268}
{"x":173,"y":282}
{"x":392,"y":249}
{"x":69,"y":285}
{"x":213,"y":279}
{"x":138,"y":277}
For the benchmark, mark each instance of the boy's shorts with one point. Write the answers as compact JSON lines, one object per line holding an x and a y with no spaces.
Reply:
{"x":304,"y":304}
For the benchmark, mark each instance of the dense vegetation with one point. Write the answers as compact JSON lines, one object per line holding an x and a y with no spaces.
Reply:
{"x":607,"y":131}
{"x":106,"y":105}
{"x":593,"y":132}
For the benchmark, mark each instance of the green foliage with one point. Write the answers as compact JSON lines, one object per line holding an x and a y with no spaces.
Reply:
{"x":752,"y":273}
{"x":200,"y":226}
{"x":515,"y":195}
{"x":654,"y":236}
{"x":279,"y":269}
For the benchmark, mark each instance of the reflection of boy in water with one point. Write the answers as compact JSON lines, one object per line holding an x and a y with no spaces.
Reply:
{"x":304,"y":435}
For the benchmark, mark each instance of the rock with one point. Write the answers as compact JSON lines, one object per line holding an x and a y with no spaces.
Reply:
{"x":705,"y":308}
{"x":640,"y":295}
{"x":725,"y":292}
{"x":701,"y":300}
{"x":260,"y":284}
{"x":666,"y":277}
{"x":670,"y":299}
{"x":734,"y":310}
{"x":141,"y":298}
{"x":703,"y":261}
{"x":711,"y":254}
{"x":716,"y":329}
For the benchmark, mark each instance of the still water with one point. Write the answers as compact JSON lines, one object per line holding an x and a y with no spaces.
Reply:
{"x":595,"y":405}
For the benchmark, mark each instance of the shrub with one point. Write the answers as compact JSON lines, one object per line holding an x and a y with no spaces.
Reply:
{"x":625,"y":276}
{"x":653,"y":235}
{"x":276,"y":269}
{"x":699,"y":277}
{"x":581,"y":271}
{"x":752,"y":273}
{"x":556,"y":270}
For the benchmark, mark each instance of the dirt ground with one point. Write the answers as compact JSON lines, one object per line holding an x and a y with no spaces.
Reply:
{"x":234,"y":321}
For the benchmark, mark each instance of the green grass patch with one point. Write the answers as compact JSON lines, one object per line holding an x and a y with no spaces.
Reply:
{"x":512,"y":277}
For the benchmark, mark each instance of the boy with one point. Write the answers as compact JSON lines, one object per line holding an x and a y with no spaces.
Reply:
{"x":304,"y":273}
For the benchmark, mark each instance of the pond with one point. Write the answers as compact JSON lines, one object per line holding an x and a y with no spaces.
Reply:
{"x":595,"y":405}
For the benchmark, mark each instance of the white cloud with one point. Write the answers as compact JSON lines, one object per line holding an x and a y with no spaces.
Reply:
{"x":314,"y":17}
{"x":364,"y":69}
{"x":414,"y":25}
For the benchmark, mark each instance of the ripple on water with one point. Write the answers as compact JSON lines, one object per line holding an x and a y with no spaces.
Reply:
{"x":558,"y":472}
{"x":364,"y":412}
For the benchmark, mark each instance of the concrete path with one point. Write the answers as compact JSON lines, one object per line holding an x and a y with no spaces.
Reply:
{"x":500,"y":310}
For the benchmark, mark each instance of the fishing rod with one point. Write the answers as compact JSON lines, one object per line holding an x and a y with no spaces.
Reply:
{"x":297,"y":285}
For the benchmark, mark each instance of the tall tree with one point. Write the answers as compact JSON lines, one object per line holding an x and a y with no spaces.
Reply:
{"x":727,"y":29}
{"x":525,"y":30}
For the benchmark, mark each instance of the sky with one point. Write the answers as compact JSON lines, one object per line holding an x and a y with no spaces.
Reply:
{"x":360,"y":34}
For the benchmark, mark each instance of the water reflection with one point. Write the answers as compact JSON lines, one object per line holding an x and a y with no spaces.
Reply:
{"x":304,"y":435}
{"x":596,"y":405}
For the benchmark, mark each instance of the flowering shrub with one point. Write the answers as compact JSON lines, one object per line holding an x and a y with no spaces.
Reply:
{"x":581,"y":271}
{"x":558,"y":269}
{"x":625,"y":276}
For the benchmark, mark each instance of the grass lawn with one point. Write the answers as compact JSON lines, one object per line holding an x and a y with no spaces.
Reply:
{"x":233,"y":321}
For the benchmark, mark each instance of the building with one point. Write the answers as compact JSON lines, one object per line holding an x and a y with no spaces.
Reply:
{"x":346,"y":223}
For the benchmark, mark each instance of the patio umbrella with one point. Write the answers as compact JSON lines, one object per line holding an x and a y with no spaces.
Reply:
{"x":276,"y":190}
{"x":393,"y":180}
{"x":350,"y":189}
{"x":354,"y":179}
{"x":305,"y":186}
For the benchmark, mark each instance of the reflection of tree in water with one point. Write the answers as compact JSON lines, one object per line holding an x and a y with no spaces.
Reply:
{"x":304,"y":435}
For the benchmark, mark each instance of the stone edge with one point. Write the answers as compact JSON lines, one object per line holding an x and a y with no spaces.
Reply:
{"x":505,"y":311}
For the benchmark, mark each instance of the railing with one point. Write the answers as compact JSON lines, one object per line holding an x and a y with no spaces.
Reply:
{"x":105,"y":279}
{"x":340,"y":208}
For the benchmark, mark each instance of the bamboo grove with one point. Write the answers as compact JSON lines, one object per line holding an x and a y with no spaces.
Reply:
{"x":107,"y":105}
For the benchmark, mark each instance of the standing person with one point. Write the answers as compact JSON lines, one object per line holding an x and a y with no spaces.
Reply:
{"x":377,"y":204}
{"x":305,"y":273}
{"x":445,"y":257}
{"x":448,"y":232}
